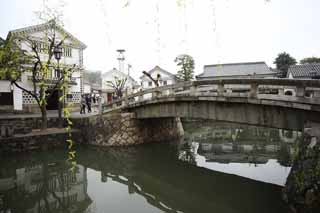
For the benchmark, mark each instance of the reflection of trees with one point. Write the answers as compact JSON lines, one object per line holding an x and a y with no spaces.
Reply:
{"x":187,"y":153}
{"x":284,"y":157}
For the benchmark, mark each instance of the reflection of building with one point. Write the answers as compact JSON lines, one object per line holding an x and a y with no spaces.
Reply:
{"x":235,"y":143}
{"x":46,"y":188}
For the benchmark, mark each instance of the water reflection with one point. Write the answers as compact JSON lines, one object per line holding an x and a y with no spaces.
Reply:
{"x":32,"y":185}
{"x":147,"y":178}
{"x":227,"y":147}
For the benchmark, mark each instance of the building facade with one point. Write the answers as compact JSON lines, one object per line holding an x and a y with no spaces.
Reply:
{"x":72,"y":57}
{"x":236,"y":70}
{"x":108,"y":91}
{"x":165,"y":78}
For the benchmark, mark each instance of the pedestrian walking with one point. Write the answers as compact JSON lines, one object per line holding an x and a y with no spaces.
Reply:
{"x":88,"y":102}
{"x":83,"y":105}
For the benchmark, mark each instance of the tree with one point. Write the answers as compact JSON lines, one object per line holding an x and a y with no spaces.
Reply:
{"x":310,"y":60}
{"x":118,"y":85}
{"x":14,"y":61}
{"x":155,"y":81}
{"x":186,"y":66}
{"x":11,"y":60}
{"x":93,"y":76}
{"x":283,"y":62}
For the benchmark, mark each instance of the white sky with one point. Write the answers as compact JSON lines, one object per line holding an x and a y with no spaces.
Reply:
{"x":245,"y":30}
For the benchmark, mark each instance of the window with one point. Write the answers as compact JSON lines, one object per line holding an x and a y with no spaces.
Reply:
{"x":42,"y":47}
{"x":164,"y":83}
{"x":150,"y":83}
{"x":67,"y":52}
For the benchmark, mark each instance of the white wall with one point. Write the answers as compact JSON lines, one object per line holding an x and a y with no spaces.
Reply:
{"x":17,"y":98}
{"x":86,"y":88}
{"x":5,"y":86}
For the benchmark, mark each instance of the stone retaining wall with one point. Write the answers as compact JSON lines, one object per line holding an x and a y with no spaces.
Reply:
{"x":302,"y":189}
{"x":123,"y":129}
{"x":13,"y":126}
{"x":35,"y":141}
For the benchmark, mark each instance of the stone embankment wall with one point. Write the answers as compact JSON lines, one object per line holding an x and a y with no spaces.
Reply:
{"x":302,"y":190}
{"x":37,"y":140}
{"x":12,"y":126}
{"x":123,"y":129}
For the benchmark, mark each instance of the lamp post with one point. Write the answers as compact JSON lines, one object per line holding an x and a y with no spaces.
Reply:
{"x":57,"y":51}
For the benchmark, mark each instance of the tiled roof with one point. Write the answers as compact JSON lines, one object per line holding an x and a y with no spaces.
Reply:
{"x":235,"y":69}
{"x":42,"y":27}
{"x":304,"y":70}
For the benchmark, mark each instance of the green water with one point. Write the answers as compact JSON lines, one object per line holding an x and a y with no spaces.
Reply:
{"x":212,"y":171}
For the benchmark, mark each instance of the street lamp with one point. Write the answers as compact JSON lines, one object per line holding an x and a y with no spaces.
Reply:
{"x":57,"y":51}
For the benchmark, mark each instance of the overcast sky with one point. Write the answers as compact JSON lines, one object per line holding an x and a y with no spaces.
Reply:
{"x":212,"y":31}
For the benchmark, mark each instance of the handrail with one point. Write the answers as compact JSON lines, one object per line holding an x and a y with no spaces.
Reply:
{"x":191,"y":88}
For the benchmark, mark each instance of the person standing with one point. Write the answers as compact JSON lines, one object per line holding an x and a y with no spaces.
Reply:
{"x":83,"y":105}
{"x":88,"y":102}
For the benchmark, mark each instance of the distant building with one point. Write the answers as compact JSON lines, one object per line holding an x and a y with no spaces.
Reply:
{"x":304,"y":71}
{"x":108,"y":92}
{"x":72,"y":56}
{"x":236,"y":70}
{"x":166,"y":78}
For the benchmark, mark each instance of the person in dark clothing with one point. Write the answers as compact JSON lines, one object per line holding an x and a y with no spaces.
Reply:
{"x":83,"y":105}
{"x":88,"y":102}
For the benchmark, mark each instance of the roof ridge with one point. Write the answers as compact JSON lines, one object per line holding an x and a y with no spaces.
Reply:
{"x":307,"y":64}
{"x":38,"y":27}
{"x":237,"y":63}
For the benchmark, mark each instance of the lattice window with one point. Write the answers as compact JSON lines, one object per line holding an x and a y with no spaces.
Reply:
{"x":74,"y":97}
{"x":27,"y":98}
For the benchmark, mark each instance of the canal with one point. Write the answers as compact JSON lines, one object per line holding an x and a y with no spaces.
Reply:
{"x":219,"y":167}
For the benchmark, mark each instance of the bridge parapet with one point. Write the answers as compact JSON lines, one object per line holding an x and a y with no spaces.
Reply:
{"x":302,"y":91}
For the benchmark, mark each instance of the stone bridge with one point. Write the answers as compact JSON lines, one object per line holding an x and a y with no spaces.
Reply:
{"x":263,"y":102}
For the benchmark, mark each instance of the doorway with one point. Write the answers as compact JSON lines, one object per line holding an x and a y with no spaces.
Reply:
{"x":52,"y":100}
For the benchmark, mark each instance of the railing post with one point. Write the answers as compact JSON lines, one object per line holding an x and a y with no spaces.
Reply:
{"x":171,"y":91}
{"x":281,"y":91}
{"x":140,"y":97}
{"x":193,"y":89}
{"x":300,"y":91}
{"x":156,"y":93}
{"x":316,"y":94}
{"x":220,"y":89}
{"x":100,"y":103}
{"x":253,"y":90}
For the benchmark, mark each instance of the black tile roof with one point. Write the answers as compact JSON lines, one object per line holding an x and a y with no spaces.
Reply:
{"x":304,"y":70}
{"x":235,"y":69}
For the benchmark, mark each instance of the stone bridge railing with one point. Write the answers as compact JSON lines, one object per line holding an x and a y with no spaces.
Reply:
{"x":301,"y":91}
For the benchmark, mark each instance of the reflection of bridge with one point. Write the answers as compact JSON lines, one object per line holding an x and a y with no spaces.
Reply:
{"x":252,"y":101}
{"x":164,"y":184}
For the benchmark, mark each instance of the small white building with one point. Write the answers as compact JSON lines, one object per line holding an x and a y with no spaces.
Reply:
{"x":72,"y":56}
{"x":166,"y":78}
{"x":130,"y":87}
